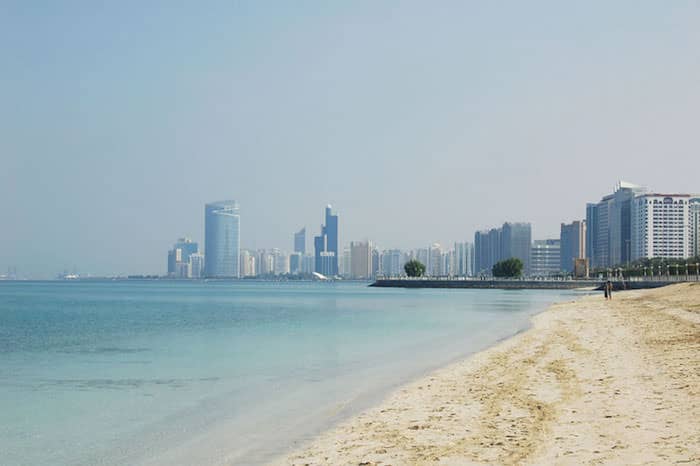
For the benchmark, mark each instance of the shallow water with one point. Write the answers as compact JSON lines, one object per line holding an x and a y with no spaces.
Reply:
{"x":165,"y":372}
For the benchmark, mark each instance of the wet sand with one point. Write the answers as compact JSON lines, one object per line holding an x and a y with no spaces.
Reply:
{"x":592,"y":382}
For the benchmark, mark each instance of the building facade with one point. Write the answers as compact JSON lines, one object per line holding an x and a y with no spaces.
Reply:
{"x":573,"y":240}
{"x":661,"y":226}
{"x":545,"y":257}
{"x":222,"y":239}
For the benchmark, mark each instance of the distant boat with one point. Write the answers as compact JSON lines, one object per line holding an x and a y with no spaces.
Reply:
{"x":319,"y":276}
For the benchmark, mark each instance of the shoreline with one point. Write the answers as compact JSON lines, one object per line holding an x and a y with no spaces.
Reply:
{"x":589,"y":381}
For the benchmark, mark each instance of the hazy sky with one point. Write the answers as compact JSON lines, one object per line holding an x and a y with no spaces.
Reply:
{"x":419,"y":121}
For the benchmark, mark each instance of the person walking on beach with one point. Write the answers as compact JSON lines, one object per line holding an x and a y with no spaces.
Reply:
{"x":605,"y":290}
{"x":608,"y":289}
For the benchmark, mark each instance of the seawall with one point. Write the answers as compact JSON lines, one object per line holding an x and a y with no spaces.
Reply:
{"x":515,"y":284}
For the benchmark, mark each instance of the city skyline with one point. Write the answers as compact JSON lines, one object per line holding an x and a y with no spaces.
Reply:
{"x":118,"y":132}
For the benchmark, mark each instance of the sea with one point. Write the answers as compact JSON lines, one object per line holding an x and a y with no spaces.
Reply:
{"x":220,"y":372}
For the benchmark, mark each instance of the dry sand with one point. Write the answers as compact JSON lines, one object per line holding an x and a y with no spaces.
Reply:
{"x":593,"y":382}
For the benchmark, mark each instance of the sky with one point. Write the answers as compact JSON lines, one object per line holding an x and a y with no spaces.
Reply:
{"x":420,"y":122}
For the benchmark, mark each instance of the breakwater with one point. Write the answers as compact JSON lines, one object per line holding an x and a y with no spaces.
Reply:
{"x":517,"y":284}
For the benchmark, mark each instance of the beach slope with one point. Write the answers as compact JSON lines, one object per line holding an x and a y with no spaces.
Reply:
{"x":593,"y":381}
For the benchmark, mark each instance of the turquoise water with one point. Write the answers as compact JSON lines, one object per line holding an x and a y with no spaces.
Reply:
{"x":117,"y":373}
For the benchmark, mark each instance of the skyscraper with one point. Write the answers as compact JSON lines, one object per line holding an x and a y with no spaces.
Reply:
{"x":487,"y":250}
{"x":609,"y":223}
{"x":326,"y":246}
{"x":516,"y":241}
{"x":300,"y":241}
{"x":496,"y":244}
{"x":222,"y":239}
{"x":573,"y":240}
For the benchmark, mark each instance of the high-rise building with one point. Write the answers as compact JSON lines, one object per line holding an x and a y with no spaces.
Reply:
{"x":591,"y":233}
{"x":280,"y":262}
{"x":661,"y":226}
{"x":573,"y":239}
{"x":300,"y":241}
{"x":266,"y":262}
{"x":295,"y":263}
{"x":376,"y":262}
{"x":434,"y":265}
{"x":482,"y":265}
{"x":516,"y":241}
{"x":545,"y":258}
{"x":248,"y":263}
{"x":222,"y":245}
{"x":422,"y":255}
{"x":307,"y":263}
{"x":196,"y":265}
{"x":188,"y":248}
{"x":179,"y":258}
{"x":463,"y":259}
{"x":512,"y":240}
{"x":172,"y":261}
{"x":326,"y":246}
{"x":392,"y":263}
{"x":361,"y":260}
{"x":609,"y":223}
{"x":487,"y":250}
{"x":695,"y":226}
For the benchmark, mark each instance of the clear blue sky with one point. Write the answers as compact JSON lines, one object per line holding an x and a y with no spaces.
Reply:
{"x":419,"y":121}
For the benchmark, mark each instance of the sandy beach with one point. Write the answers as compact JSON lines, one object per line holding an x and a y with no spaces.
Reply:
{"x":592,"y":382}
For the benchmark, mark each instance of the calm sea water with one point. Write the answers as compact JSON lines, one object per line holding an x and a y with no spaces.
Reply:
{"x":116,"y":373}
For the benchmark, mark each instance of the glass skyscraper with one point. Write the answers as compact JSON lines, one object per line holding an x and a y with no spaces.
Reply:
{"x":222,"y":240}
{"x":326,"y":246}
